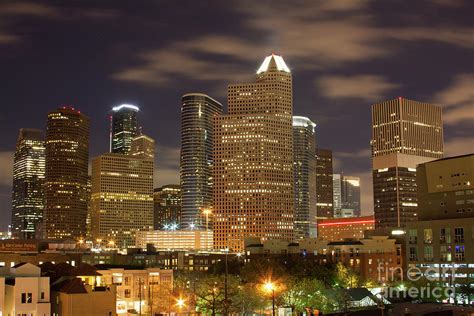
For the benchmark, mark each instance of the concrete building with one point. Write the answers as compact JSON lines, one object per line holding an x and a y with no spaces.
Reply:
{"x":405,"y":133}
{"x":445,"y":232}
{"x":144,"y":291}
{"x":167,"y":207}
{"x":67,"y":160}
{"x":122,"y":194}
{"x":304,"y":151}
{"x":28,"y":182}
{"x":71,"y":297}
{"x":123,"y":128}
{"x":363,"y":255}
{"x":23,"y":291}
{"x":253,"y":165}
{"x":343,"y":228}
{"x":196,"y":163}
{"x":336,"y":193}
{"x":175,"y":239}
{"x":350,"y":195}
{"x":324,"y":183}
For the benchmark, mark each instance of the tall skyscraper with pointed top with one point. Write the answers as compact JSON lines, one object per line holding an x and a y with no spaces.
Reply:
{"x":304,"y":151}
{"x":67,"y":159}
{"x":253,"y":164}
{"x":197,"y":142}
{"x":405,"y":133}
{"x":28,"y":181}
{"x":124,"y":127}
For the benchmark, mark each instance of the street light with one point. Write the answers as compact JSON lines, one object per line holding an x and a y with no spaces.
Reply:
{"x":269,"y":287}
{"x":180,"y":302}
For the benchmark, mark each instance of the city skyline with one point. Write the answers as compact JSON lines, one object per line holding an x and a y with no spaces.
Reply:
{"x":335,"y":90}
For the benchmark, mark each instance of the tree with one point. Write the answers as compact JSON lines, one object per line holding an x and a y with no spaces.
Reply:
{"x":346,"y":277}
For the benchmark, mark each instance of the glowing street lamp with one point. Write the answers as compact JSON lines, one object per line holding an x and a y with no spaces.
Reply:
{"x":181,"y":303}
{"x":270,"y":287}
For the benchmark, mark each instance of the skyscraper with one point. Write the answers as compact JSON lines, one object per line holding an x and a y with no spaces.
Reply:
{"x":124,"y":127}
{"x":67,"y":158}
{"x":122,"y":194}
{"x":253,"y":172}
{"x":167,"y":209}
{"x":350,"y":194}
{"x":197,"y":133}
{"x":336,"y":193}
{"x":324,"y":183}
{"x":304,"y":151}
{"x":405,"y":133}
{"x":28,"y":181}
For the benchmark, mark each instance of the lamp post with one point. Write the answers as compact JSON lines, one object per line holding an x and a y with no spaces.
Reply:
{"x":180,"y":302}
{"x":270,"y":287}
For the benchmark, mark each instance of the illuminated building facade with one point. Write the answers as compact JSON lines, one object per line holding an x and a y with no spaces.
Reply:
{"x":324,"y":183}
{"x":122,"y":195}
{"x":253,"y":172}
{"x":28,"y":181}
{"x":304,"y":151}
{"x":124,"y":127}
{"x":336,"y":193}
{"x":67,"y":158}
{"x":175,"y":239}
{"x":444,"y":234}
{"x":346,"y":191}
{"x":405,"y":133}
{"x":350,"y":194}
{"x":343,"y":228}
{"x":197,"y":140}
{"x":167,"y":207}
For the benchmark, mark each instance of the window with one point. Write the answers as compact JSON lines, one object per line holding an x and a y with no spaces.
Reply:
{"x":26,"y":298}
{"x":445,"y":253}
{"x":42,"y":295}
{"x":428,"y":235}
{"x":428,"y":253}
{"x":413,"y":254}
{"x":459,"y":235}
{"x":412,"y":236}
{"x":459,"y":253}
{"x":128,"y":293}
{"x":445,"y":236}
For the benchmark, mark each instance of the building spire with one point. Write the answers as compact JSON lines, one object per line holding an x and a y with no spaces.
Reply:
{"x":273,"y":63}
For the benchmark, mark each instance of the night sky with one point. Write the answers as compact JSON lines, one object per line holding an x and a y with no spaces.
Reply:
{"x":344,"y":56}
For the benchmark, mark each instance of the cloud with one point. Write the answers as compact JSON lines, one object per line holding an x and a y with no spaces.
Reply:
{"x":458,"y":99}
{"x":6,"y":168}
{"x":458,"y":146}
{"x":365,"y":87}
{"x":312,"y":35}
{"x":166,"y":165}
{"x":28,"y":8}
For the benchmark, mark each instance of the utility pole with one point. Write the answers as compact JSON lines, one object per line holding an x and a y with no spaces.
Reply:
{"x":140,"y":296}
{"x":226,"y":302}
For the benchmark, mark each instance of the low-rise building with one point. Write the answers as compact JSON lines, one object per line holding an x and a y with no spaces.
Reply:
{"x":175,"y":239}
{"x":146,"y":290}
{"x":343,"y":228}
{"x":71,"y":297}
{"x":23,"y":291}
{"x":378,"y":258}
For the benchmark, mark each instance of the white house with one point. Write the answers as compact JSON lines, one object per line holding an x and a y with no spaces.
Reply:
{"x":23,"y":291}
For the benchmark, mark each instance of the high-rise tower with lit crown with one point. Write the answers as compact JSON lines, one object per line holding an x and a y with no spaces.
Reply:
{"x":124,"y":127}
{"x":28,"y":181}
{"x":67,"y":159}
{"x":253,"y":160}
